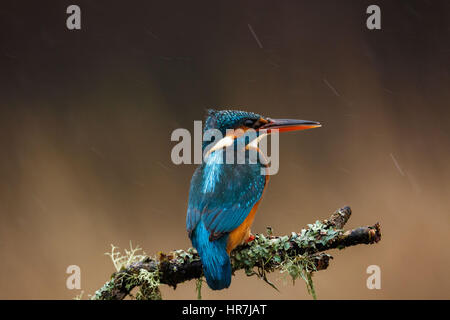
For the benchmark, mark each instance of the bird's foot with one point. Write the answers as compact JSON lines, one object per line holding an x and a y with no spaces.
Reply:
{"x":251,"y":237}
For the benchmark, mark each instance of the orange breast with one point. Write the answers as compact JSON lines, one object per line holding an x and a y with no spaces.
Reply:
{"x":242,"y":233}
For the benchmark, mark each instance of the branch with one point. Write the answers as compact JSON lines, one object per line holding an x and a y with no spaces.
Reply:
{"x":299,"y":254}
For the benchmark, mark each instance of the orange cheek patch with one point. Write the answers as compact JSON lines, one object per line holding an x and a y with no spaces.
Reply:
{"x":238,"y":132}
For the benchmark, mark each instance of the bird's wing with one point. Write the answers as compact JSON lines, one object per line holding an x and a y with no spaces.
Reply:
{"x":222,"y":195}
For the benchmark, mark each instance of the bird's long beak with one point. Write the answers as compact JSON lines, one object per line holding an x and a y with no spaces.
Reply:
{"x":284,"y":125}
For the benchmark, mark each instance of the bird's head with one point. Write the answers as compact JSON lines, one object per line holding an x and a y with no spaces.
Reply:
{"x":225,"y":120}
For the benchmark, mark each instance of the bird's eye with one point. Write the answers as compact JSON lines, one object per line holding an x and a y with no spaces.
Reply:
{"x":249,"y":123}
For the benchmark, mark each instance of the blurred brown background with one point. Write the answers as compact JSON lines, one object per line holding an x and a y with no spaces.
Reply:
{"x":86,"y":118}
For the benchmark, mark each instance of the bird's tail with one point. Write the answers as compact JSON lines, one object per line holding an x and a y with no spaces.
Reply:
{"x":214,"y":256}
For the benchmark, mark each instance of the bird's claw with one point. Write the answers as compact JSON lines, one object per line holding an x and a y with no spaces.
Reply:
{"x":250,"y":238}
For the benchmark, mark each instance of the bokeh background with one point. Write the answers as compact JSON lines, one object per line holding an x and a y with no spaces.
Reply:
{"x":86,"y":118}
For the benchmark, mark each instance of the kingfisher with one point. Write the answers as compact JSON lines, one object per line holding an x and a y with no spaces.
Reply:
{"x":224,"y":195}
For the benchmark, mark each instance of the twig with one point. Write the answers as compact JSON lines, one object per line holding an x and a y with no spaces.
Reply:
{"x":299,"y":254}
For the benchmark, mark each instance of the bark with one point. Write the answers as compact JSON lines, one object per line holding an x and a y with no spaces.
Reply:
{"x":266,"y":253}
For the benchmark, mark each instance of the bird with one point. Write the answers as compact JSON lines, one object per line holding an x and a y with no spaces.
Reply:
{"x":223,"y":196}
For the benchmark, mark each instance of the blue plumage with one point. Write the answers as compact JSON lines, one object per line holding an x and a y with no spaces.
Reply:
{"x":220,"y":198}
{"x":223,"y":197}
{"x":227,"y":119}
{"x":215,"y":260}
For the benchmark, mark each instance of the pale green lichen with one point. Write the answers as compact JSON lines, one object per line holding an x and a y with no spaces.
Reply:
{"x":185,"y":256}
{"x":267,"y":253}
{"x":300,"y":267}
{"x":79,"y":296}
{"x":147,"y":281}
{"x":149,"y":285}
{"x":122,"y":260}
{"x":198,"y":288}
{"x":317,"y":233}
{"x":107,"y":287}
{"x":292,"y":255}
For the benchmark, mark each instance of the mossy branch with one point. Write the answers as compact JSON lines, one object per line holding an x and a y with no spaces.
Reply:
{"x":299,"y":255}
